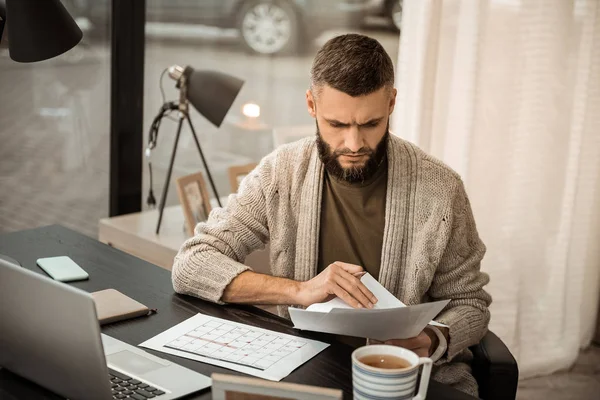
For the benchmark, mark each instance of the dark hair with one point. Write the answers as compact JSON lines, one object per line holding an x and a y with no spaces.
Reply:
{"x":354,"y":64}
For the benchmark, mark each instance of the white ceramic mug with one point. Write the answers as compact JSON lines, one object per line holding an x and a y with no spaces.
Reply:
{"x":393,"y":384}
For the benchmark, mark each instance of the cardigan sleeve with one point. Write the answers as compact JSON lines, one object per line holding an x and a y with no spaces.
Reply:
{"x":458,"y":278}
{"x":210,"y":260}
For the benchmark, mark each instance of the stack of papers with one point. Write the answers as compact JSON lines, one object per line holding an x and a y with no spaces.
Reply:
{"x":388,"y":319}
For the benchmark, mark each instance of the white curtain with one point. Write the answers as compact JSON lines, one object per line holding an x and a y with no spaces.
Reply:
{"x":507,"y":92}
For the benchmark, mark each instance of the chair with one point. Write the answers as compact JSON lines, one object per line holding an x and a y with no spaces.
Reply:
{"x":495,"y":369}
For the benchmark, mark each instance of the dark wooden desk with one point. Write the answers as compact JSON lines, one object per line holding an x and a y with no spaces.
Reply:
{"x":151,"y":285}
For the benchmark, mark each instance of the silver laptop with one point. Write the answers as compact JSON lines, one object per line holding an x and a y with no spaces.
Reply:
{"x":49,"y":334}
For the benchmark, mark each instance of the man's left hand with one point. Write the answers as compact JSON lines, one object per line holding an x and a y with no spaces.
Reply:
{"x":423,"y":345}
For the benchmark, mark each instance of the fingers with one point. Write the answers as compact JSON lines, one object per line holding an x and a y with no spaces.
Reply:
{"x":420,"y":344}
{"x":352,"y":285}
{"x":406,"y":343}
{"x":412,"y":343}
{"x":350,"y":268}
{"x":344,"y":278}
{"x":346,"y":297}
{"x":355,"y":287}
{"x":421,"y":352}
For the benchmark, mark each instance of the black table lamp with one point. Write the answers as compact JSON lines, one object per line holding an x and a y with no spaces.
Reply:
{"x":212,"y":94}
{"x":38,"y":30}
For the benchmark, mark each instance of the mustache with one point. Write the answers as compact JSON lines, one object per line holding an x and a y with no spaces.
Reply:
{"x":329,"y":157}
{"x":363,"y":151}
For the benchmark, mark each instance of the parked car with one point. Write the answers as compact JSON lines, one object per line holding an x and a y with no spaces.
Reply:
{"x":390,"y":9}
{"x":265,"y":26}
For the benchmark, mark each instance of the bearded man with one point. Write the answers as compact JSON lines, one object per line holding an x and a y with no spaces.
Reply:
{"x":352,"y":199}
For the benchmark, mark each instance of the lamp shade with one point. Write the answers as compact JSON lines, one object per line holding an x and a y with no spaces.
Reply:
{"x":212,"y":93}
{"x":39,"y":30}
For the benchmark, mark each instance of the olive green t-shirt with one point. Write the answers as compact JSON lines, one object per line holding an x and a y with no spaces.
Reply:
{"x":352,"y":222}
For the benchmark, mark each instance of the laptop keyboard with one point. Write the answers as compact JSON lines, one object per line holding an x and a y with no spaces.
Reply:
{"x":125,"y":387}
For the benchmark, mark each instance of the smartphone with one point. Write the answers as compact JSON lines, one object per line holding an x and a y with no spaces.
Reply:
{"x":62,"y":269}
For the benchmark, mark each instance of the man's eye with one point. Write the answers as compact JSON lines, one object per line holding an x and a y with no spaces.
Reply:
{"x":371,"y":125}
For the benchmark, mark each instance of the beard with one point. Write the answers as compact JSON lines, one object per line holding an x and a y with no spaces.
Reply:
{"x":358,"y":173}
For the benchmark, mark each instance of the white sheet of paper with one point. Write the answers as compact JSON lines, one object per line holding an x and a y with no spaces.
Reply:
{"x":244,"y":348}
{"x":335,"y":316}
{"x":384,"y":298}
{"x":408,"y":321}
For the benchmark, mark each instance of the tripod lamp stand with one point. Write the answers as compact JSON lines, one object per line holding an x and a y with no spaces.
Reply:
{"x":212,"y":94}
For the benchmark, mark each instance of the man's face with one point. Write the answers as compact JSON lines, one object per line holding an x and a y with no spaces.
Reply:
{"x":352,"y":131}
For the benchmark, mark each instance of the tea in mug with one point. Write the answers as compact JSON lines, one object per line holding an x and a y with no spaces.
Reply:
{"x":384,"y":361}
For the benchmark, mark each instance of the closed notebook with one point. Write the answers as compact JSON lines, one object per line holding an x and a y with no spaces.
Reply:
{"x":113,"y":306}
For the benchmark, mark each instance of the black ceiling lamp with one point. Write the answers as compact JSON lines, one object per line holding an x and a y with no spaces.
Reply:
{"x":38,"y":30}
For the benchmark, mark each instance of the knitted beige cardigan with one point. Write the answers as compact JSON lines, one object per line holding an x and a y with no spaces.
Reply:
{"x":431,"y":249}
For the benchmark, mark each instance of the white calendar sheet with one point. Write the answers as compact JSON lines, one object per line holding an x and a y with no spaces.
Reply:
{"x":254,"y":351}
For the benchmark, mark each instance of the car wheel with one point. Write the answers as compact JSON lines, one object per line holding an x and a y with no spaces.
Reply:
{"x":395,"y":14}
{"x":268,"y":27}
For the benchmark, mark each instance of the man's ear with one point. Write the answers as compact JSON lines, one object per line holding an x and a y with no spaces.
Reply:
{"x":310,"y":104}
{"x":392,"y":100}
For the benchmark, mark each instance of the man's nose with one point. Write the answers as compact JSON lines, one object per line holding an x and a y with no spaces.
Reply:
{"x":354,"y":140}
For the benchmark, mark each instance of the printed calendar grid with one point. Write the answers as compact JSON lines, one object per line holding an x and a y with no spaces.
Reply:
{"x":236,"y":344}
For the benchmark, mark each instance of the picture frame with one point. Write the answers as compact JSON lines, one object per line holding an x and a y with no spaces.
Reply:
{"x":194,"y":199}
{"x":230,"y":387}
{"x":237,"y":173}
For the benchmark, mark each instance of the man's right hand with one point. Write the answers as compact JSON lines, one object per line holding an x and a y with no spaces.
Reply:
{"x":338,"y":279}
